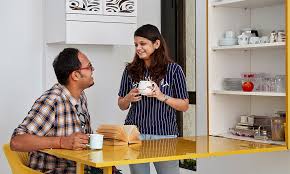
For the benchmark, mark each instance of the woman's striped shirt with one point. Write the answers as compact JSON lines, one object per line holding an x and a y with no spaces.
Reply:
{"x":150,"y":115}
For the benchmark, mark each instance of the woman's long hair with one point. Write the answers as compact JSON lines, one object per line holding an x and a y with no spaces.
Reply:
{"x":160,"y":57}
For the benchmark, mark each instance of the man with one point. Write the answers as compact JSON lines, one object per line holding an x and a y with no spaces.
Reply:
{"x":59,"y":118}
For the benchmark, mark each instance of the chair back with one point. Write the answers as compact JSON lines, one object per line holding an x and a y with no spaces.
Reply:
{"x":18,"y":161}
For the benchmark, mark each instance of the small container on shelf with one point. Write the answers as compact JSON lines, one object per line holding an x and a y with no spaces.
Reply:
{"x":247,"y":82}
{"x":278,"y":128}
{"x":260,"y":135}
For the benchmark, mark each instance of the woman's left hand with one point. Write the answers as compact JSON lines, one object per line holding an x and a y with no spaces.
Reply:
{"x":156,"y":92}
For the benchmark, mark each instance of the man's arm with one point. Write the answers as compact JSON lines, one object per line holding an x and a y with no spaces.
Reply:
{"x":27,"y":142}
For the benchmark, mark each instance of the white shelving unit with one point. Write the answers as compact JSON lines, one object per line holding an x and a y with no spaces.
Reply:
{"x":274,"y":45}
{"x":228,"y":135}
{"x":246,"y":3}
{"x":225,"y":107}
{"x":269,"y":94}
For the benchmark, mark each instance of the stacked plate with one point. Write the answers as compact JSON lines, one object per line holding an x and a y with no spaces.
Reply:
{"x":232,"y":84}
{"x":228,"y":42}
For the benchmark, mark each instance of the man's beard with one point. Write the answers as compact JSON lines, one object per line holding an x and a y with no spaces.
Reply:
{"x":92,"y":84}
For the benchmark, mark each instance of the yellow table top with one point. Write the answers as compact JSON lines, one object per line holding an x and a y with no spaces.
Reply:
{"x":164,"y":150}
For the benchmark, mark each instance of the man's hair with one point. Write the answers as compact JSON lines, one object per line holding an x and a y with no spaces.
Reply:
{"x":65,"y":63}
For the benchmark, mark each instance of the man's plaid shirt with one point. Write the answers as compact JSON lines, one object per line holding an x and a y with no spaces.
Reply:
{"x":53,"y":114}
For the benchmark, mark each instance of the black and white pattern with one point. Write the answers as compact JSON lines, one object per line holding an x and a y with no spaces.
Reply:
{"x":150,"y":115}
{"x":120,"y":7}
{"x":90,"y":6}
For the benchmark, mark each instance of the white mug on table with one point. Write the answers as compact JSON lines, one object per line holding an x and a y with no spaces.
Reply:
{"x":96,"y":141}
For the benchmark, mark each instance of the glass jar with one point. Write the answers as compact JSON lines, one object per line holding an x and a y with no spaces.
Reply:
{"x":264,"y":135}
{"x":278,"y":128}
{"x":247,"y":82}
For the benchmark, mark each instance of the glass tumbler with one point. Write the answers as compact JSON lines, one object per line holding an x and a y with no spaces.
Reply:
{"x":268,"y":84}
{"x":280,"y":83}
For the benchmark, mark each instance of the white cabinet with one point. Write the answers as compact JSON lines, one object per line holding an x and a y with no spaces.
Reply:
{"x":106,"y":22}
{"x":225,"y":107}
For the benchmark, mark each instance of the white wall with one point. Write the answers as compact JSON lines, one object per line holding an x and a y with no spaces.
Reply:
{"x":26,"y":66}
{"x":201,"y":74}
{"x":21,"y":56}
{"x":109,"y":63}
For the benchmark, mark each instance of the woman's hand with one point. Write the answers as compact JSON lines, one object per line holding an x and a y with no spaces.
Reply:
{"x":133,"y":96}
{"x":156,"y":92}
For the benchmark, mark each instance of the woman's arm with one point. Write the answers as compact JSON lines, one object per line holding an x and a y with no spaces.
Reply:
{"x":123,"y":103}
{"x":176,"y":103}
{"x":132,"y":96}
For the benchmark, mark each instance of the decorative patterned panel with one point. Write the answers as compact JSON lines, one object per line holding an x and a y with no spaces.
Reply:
{"x":120,"y":7}
{"x":85,"y":6}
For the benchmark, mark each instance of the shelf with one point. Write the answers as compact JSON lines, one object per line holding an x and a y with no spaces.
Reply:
{"x":250,"y":46}
{"x":246,"y":3}
{"x":231,"y":136}
{"x":266,"y":94}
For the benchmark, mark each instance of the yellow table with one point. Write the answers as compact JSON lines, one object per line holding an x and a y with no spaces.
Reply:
{"x":161,"y":150}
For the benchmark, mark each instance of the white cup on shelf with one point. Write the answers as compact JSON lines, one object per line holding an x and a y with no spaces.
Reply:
{"x":243,"y":39}
{"x":264,"y":39}
{"x":254,"y":40}
{"x":230,"y":34}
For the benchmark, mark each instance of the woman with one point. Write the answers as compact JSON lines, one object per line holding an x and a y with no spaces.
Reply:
{"x":154,"y":114}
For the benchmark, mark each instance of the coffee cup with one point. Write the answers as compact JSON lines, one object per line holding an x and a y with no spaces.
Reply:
{"x":95,"y":141}
{"x":254,"y":40}
{"x":243,"y":39}
{"x":145,"y":87}
{"x":230,"y":34}
{"x":264,"y":39}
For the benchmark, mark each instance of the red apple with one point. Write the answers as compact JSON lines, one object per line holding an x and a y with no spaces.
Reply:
{"x":248,"y":86}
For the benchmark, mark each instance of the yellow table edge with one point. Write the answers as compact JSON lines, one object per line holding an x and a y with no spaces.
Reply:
{"x":168,"y":158}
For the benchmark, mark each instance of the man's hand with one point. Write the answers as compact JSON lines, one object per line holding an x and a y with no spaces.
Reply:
{"x":76,"y":141}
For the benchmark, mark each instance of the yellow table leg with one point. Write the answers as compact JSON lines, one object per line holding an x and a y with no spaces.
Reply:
{"x":107,"y":170}
{"x":80,"y":168}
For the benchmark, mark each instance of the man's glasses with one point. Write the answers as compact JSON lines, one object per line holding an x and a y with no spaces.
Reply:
{"x":89,"y":67}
